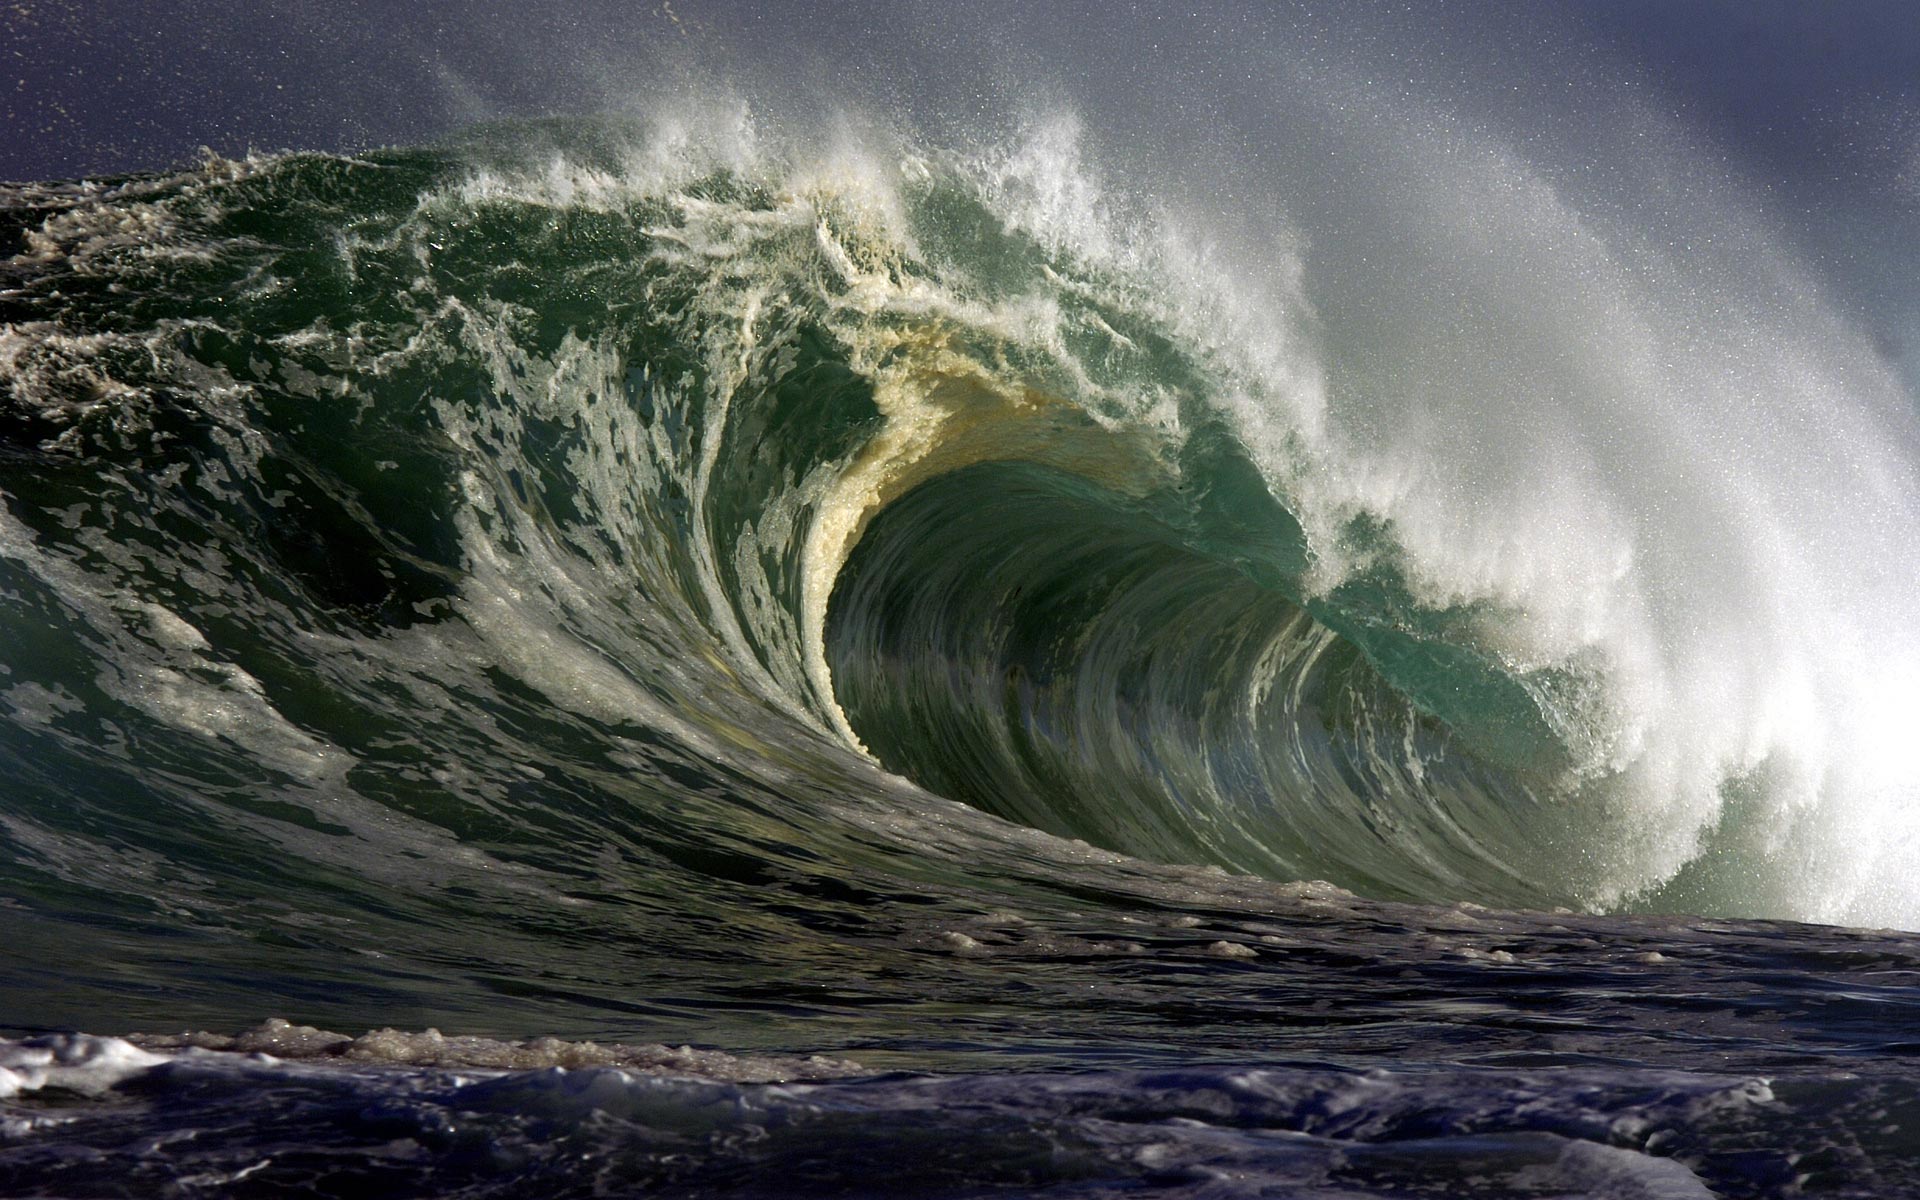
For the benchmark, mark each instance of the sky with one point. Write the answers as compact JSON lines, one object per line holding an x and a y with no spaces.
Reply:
{"x":1812,"y":107}
{"x":114,"y":85}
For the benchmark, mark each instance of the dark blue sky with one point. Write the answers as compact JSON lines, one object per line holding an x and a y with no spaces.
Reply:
{"x":110,"y":85}
{"x":1811,"y":108}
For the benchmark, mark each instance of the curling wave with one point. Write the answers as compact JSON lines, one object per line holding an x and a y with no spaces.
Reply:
{"x":732,"y":465}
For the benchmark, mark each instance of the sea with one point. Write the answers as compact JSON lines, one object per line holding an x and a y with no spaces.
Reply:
{"x":871,"y":647}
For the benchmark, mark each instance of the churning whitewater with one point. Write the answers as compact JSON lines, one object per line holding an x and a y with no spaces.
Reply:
{"x":934,"y":605}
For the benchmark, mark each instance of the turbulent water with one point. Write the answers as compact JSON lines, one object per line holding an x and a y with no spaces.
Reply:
{"x":1052,"y":701}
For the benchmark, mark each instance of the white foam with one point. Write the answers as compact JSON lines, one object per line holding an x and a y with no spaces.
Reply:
{"x":74,"y":1062}
{"x":429,"y":1048}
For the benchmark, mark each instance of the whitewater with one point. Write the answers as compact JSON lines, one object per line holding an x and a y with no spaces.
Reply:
{"x":730,"y":648}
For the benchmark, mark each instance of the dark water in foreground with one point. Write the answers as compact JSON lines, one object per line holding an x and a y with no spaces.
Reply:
{"x":1354,"y":1050}
{"x":1343,"y":1049}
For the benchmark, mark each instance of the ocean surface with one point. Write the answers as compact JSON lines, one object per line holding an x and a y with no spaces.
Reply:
{"x":693,"y":652}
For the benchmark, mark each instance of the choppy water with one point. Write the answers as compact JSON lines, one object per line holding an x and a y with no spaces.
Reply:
{"x":1048,"y":700}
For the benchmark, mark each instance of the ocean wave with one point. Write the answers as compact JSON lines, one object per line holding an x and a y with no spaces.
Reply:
{"x":951,"y":461}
